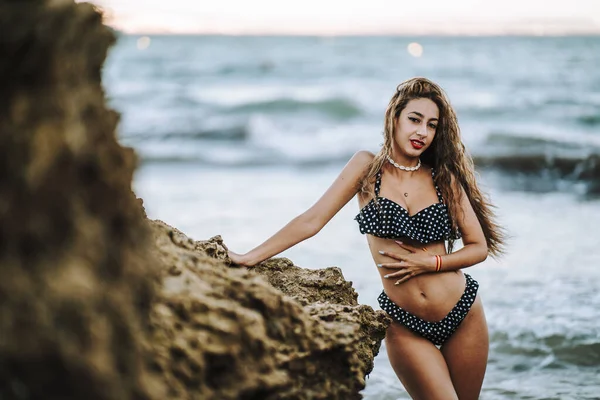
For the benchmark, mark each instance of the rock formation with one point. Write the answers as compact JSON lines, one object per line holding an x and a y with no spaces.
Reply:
{"x":227,"y":333}
{"x":98,"y":303}
{"x":76,"y":286}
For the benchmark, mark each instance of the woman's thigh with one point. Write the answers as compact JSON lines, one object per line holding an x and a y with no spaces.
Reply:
{"x":466,"y":353}
{"x":419,"y":365}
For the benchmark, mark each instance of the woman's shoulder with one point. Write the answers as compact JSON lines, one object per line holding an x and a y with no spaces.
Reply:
{"x":359,"y":164}
{"x":452,"y":180}
{"x":362,"y":157}
{"x":428,"y":170}
{"x":433,"y":170}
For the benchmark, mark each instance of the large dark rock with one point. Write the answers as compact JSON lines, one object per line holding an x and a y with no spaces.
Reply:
{"x":98,"y":303}
{"x":76,"y":286}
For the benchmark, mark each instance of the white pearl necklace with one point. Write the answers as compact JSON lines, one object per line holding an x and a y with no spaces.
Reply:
{"x":402,"y":167}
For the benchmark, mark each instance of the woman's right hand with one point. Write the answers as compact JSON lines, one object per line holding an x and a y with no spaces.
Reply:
{"x":239,"y":259}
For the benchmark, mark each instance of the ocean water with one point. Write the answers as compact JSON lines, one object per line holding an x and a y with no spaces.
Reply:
{"x":238,"y":135}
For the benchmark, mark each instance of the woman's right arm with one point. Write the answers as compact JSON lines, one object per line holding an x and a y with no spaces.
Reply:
{"x":316,"y":217}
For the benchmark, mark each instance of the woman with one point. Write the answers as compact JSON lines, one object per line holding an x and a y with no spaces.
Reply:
{"x":417,"y":193}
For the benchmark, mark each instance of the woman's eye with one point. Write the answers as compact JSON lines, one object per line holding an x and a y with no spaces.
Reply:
{"x":413,"y":119}
{"x":432,"y":126}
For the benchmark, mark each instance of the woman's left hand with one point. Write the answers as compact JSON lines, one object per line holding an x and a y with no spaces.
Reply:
{"x":417,"y":262}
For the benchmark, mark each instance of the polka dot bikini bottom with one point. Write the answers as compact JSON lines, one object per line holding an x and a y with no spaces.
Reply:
{"x":436,"y":332}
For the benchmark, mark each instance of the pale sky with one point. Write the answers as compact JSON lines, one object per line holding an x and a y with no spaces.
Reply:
{"x":331,"y":17}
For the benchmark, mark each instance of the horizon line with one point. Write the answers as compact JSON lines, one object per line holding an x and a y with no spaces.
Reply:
{"x":360,"y":34}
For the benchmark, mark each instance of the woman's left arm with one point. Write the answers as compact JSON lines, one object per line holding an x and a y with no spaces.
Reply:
{"x":475,"y":248}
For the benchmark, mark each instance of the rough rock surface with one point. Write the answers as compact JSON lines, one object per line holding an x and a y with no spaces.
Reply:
{"x":226,"y":333}
{"x":98,"y":303}
{"x":76,"y":286}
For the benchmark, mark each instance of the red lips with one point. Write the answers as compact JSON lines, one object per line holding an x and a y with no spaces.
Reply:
{"x":417,"y":144}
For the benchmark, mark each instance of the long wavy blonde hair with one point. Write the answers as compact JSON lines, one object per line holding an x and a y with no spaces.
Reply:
{"x":446,"y":154}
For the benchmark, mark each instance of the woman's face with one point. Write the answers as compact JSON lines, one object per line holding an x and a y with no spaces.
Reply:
{"x":416,"y":127}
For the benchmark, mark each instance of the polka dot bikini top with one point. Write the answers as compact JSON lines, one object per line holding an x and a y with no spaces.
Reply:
{"x":390,"y":220}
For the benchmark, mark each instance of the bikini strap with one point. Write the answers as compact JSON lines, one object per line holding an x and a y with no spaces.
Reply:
{"x":437,"y":190}
{"x":377,"y":183}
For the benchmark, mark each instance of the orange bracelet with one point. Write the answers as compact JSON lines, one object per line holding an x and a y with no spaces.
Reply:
{"x":438,"y":263}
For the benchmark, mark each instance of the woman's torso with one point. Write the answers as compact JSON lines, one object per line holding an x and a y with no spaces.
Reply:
{"x":431,"y":295}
